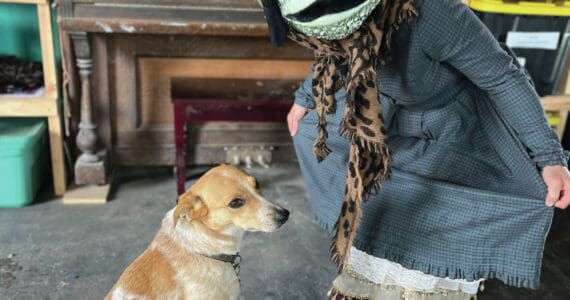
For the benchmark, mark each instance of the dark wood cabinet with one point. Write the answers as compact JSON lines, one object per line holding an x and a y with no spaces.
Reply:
{"x":130,"y":51}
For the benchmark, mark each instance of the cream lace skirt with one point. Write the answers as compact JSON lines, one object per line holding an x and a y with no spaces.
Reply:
{"x":369,"y":277}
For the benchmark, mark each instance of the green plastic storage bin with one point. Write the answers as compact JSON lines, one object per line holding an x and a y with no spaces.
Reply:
{"x":22,"y":160}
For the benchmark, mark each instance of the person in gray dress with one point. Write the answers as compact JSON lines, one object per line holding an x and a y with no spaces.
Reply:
{"x":475,"y":173}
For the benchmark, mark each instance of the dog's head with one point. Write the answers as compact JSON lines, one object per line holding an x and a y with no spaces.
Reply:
{"x":225,"y":199}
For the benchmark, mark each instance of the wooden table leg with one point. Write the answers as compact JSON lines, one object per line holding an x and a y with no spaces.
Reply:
{"x":180,"y":144}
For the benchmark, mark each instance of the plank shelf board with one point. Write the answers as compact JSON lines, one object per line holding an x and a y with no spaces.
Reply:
{"x":24,"y":1}
{"x":28,"y":107}
{"x":556,"y":102}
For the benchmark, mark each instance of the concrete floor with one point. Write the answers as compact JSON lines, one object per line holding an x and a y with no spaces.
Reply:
{"x":52,"y":251}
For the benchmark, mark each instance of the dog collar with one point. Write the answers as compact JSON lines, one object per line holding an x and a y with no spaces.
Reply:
{"x":234,"y":260}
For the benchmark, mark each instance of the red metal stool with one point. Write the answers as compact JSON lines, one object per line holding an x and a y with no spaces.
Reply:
{"x":187,"y":110}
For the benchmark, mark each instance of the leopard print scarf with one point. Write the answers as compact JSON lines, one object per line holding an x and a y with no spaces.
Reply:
{"x":369,"y":158}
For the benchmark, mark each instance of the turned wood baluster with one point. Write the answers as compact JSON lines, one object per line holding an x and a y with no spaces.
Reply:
{"x":90,"y":167}
{"x":87,"y":137}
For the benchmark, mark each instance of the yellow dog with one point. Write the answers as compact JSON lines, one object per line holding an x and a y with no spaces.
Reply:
{"x":195,"y":253}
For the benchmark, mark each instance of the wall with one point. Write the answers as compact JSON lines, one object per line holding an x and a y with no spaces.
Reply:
{"x":19,"y":34}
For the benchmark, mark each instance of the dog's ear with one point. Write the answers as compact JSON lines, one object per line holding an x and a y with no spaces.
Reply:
{"x":253,"y":182}
{"x":190,"y":207}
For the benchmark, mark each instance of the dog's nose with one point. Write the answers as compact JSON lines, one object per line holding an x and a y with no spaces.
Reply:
{"x":281,"y":216}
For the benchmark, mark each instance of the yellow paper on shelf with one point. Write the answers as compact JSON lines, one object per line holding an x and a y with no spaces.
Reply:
{"x":553,"y":119}
{"x":540,"y":8}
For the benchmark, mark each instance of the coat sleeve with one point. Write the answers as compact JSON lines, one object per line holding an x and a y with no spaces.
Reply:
{"x":304,"y":95}
{"x":452,"y":34}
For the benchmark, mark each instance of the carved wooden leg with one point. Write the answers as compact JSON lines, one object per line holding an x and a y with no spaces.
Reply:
{"x":91,"y":166}
{"x":180,"y":145}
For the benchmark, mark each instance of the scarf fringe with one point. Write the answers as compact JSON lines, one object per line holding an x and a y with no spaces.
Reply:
{"x":321,"y":150}
{"x":364,"y":144}
{"x":407,"y":13}
{"x":336,"y":257}
{"x":335,"y":294}
{"x":339,"y":257}
{"x":385,"y":153}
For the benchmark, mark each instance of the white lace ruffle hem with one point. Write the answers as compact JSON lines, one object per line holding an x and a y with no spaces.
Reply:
{"x":385,"y":272}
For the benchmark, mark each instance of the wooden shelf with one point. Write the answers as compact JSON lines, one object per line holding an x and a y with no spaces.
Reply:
{"x":28,"y":107}
{"x":559,"y":104}
{"x":25,"y":1}
{"x":555,"y":103}
{"x":47,"y":104}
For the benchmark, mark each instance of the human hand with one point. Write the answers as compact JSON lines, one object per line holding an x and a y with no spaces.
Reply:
{"x":296,"y":113}
{"x":557,"y":179}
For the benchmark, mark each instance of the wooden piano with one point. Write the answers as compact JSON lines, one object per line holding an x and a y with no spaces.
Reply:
{"x":127,"y":53}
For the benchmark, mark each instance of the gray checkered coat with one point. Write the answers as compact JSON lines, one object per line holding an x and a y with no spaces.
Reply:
{"x":468,"y":134}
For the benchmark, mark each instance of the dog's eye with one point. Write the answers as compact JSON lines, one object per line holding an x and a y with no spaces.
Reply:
{"x":237,"y":203}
